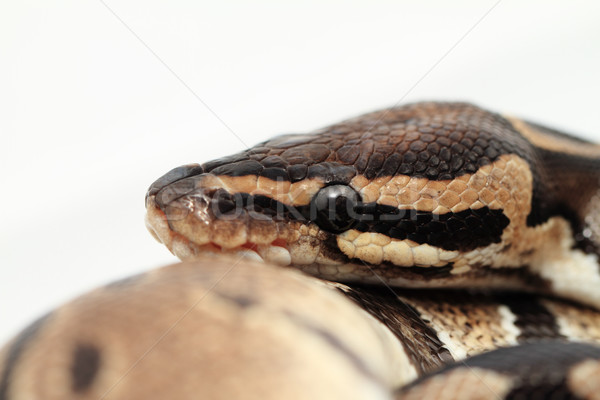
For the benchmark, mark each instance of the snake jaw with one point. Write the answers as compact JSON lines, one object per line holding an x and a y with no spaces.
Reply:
{"x":189,"y":227}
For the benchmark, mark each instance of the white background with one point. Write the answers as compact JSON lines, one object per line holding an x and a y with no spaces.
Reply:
{"x":89,"y":116}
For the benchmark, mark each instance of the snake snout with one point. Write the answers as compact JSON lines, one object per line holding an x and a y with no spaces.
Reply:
{"x":200,"y":213}
{"x":174,"y":175}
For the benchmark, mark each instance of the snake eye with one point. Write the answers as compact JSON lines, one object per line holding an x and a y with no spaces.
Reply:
{"x":334,"y":206}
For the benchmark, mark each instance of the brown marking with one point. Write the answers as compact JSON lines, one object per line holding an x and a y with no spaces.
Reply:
{"x":84,"y":366}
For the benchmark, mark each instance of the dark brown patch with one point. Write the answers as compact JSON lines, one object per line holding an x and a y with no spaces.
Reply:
{"x":240,"y":168}
{"x":503,"y":278}
{"x":297,"y":172}
{"x":391,"y":271}
{"x":84,"y":366}
{"x":530,"y":280}
{"x":331,"y":172}
{"x":16,"y":350}
{"x":174,"y":175}
{"x":330,"y":250}
{"x":425,"y":350}
{"x":465,"y":230}
{"x":174,"y":191}
{"x":275,"y":174}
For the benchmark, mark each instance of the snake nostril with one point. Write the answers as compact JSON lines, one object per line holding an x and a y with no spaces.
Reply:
{"x":174,"y":175}
{"x":334,"y":208}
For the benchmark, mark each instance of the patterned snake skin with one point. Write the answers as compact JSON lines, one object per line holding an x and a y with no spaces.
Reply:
{"x":446,"y":252}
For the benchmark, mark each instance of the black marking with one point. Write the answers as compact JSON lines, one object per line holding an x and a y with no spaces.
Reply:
{"x":275,"y":174}
{"x":234,"y":158}
{"x":334,"y":342}
{"x":16,"y":350}
{"x":507,"y":278}
{"x":240,"y":168}
{"x":84,"y":367}
{"x":331,"y":173}
{"x":538,"y":369}
{"x":425,"y":350}
{"x":330,"y":250}
{"x":531,"y":280}
{"x":413,"y":274}
{"x":465,"y":230}
{"x":555,"y":389}
{"x":174,"y":191}
{"x":532,"y":318}
{"x":297,"y":172}
{"x":274,"y":162}
{"x":174,"y":175}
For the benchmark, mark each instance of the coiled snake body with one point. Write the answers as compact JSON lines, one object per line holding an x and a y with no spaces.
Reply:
{"x":455,"y":253}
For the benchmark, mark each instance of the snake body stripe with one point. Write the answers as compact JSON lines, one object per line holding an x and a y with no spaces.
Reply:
{"x":483,"y":228}
{"x":544,"y":370}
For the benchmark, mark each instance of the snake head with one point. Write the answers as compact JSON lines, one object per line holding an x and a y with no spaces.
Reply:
{"x":419,"y":195}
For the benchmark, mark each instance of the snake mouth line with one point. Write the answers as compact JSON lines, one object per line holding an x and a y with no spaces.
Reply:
{"x":276,"y":252}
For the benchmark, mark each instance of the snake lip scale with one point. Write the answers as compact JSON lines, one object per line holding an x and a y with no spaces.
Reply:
{"x":431,"y":251}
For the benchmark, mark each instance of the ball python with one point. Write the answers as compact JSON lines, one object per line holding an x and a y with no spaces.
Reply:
{"x":428,"y":251}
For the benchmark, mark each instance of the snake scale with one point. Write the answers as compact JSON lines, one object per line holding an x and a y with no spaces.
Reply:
{"x":439,"y":251}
